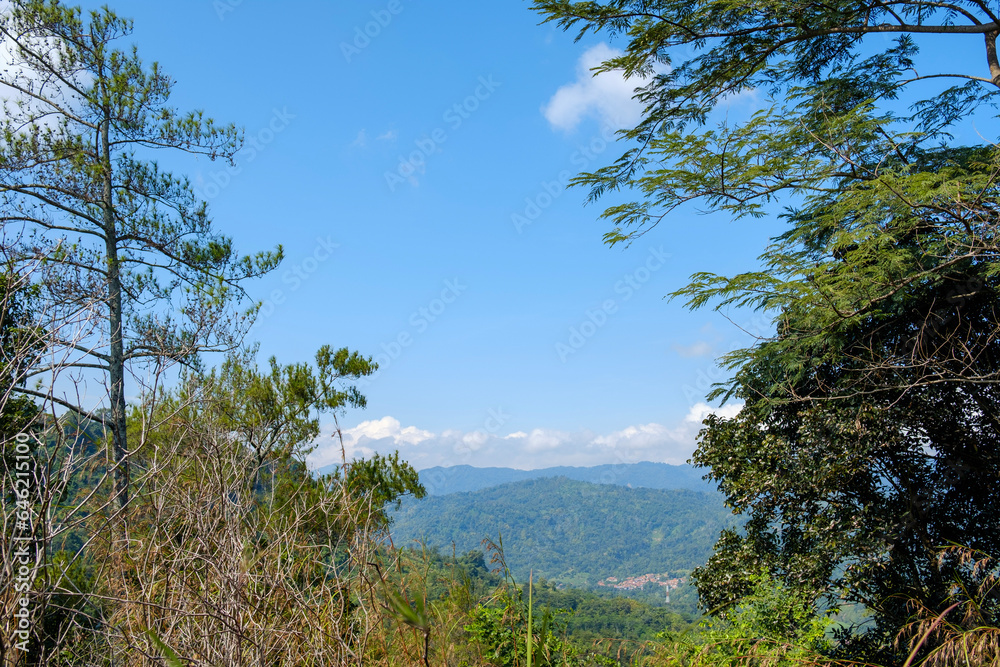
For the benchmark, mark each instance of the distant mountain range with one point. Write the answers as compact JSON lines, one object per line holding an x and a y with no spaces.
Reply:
{"x":571,"y":531}
{"x":442,"y":481}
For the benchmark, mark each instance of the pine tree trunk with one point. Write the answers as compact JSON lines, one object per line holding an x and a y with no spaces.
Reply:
{"x":116,"y":361}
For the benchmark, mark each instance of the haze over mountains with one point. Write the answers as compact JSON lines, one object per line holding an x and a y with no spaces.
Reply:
{"x":455,"y":479}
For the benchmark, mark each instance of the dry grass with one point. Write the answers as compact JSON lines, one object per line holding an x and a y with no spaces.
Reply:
{"x":965,"y":634}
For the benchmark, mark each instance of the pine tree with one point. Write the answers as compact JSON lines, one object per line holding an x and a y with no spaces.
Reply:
{"x":133,"y":273}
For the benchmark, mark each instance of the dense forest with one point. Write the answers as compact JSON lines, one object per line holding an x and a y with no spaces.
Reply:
{"x":158,"y":508}
{"x":572,"y":532}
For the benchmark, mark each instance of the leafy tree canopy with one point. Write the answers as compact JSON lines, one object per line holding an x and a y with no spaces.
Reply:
{"x":867,"y":442}
{"x":811,"y":63}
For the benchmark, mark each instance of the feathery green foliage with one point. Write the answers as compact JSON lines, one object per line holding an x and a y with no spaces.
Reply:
{"x":868,"y":437}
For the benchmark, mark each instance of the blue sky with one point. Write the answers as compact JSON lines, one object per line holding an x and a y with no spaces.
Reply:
{"x":410,"y":157}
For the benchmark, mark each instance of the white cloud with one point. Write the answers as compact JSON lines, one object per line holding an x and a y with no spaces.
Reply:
{"x":699,"y":348}
{"x":607,"y":96}
{"x":749,"y":99}
{"x":390,"y":428}
{"x":539,"y":448}
{"x":28,"y":109}
{"x":381,"y":435}
{"x":476,"y":439}
{"x":699,"y":411}
{"x":362,"y":140}
{"x":657,"y":442}
{"x":545,"y":440}
{"x":651,"y":442}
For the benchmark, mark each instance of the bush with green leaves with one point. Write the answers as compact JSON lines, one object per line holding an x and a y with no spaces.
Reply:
{"x":773,"y":625}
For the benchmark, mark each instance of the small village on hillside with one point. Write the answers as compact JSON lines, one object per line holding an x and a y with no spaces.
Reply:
{"x":637,"y":583}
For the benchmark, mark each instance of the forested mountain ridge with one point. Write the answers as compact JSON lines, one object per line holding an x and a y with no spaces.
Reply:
{"x":570,"y":531}
{"x":441,"y":481}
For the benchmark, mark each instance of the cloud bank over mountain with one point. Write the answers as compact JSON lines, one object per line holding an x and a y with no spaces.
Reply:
{"x":494,"y":446}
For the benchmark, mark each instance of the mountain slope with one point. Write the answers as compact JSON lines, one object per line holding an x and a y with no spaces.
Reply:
{"x":455,"y":479}
{"x":571,"y":531}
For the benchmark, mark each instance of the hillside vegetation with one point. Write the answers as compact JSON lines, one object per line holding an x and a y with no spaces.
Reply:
{"x":569,"y":531}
